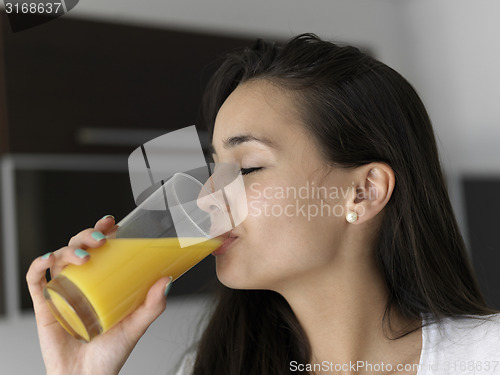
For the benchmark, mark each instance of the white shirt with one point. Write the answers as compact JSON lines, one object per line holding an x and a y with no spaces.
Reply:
{"x":454,"y":346}
{"x":187,"y":364}
{"x":461,"y":346}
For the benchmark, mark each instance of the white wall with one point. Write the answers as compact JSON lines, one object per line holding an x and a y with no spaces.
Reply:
{"x":452,"y":54}
{"x":456,"y":63}
{"x":448,"y":49}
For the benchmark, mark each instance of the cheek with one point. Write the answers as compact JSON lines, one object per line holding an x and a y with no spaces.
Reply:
{"x":269,"y":206}
{"x":285,"y":219}
{"x":284,"y":235}
{"x":300,"y":217}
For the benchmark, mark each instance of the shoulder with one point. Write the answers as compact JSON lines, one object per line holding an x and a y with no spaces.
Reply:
{"x":469,"y":330}
{"x":466,"y":344}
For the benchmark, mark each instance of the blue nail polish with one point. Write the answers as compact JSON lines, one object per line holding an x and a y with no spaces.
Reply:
{"x":105,"y":217}
{"x":98,"y":236}
{"x":168,"y":287}
{"x":80,"y":253}
{"x":46,"y":256}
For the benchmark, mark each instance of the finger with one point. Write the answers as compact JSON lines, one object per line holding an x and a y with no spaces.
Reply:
{"x":68,"y":255}
{"x":35,"y":278}
{"x":136,"y":324}
{"x":106,"y":224}
{"x":88,"y":238}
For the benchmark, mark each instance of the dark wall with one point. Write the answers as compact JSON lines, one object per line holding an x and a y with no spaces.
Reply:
{"x":482,"y":198}
{"x":68,"y":74}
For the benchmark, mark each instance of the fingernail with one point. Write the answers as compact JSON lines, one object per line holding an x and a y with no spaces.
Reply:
{"x":105,"y":217}
{"x":168,"y":287}
{"x":80,"y":253}
{"x":46,"y":256}
{"x":98,"y":236}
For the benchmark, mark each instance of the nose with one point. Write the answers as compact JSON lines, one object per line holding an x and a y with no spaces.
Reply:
{"x":208,"y":199}
{"x":223,"y":197}
{"x":215,"y":203}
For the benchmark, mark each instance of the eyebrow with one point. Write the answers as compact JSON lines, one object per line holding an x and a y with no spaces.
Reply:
{"x":243,"y":138}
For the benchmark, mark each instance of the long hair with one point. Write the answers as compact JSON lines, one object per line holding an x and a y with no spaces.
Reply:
{"x":358,"y":111}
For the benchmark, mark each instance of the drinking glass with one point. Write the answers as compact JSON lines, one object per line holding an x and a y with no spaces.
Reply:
{"x":178,"y":225}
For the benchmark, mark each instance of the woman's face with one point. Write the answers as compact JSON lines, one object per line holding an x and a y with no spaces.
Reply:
{"x":296,"y":202}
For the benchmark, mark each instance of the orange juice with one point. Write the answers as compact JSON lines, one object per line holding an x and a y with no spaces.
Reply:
{"x":90,"y":299}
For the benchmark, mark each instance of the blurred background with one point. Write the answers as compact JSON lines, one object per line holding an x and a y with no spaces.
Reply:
{"x":81,"y":92}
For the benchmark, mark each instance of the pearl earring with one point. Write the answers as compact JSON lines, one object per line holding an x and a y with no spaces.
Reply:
{"x":351,"y":217}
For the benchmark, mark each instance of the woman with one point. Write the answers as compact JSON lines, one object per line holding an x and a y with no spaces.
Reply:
{"x":350,"y":259}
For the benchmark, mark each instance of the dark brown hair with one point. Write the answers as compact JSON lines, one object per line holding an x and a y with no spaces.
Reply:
{"x":359,"y":111}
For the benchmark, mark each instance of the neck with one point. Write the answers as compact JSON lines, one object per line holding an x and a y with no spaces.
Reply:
{"x":341,"y":309}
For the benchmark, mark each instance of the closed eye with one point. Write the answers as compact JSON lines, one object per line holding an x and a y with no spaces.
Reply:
{"x":245,"y":171}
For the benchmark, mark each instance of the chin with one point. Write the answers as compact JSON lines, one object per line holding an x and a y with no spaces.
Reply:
{"x":231,"y":281}
{"x":238,"y":279}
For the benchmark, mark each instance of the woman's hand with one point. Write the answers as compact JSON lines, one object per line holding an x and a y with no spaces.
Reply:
{"x":106,"y":353}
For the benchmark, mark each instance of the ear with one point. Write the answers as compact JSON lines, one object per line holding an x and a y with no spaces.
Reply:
{"x":372,"y":192}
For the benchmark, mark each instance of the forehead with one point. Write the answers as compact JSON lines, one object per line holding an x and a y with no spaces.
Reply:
{"x":258,"y":108}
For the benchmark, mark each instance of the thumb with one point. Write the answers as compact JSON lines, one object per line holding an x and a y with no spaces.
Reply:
{"x":136,"y":324}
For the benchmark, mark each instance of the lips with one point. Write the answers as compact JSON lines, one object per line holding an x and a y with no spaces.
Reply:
{"x":230,"y":239}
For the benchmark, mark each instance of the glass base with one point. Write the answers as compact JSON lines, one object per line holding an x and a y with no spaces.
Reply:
{"x":72,"y":309}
